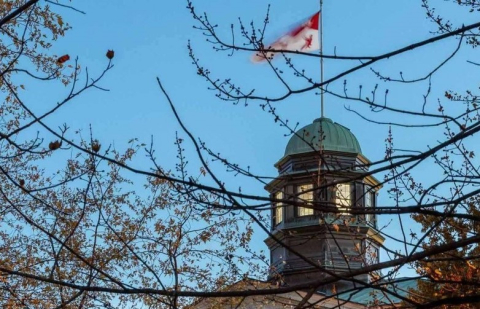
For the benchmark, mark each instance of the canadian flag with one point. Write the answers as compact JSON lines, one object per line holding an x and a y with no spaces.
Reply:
{"x":304,"y":38}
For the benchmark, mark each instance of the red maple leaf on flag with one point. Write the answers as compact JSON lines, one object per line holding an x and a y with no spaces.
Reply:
{"x":308,"y":42}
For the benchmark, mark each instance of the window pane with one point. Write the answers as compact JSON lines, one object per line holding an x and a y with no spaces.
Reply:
{"x":305,"y":194}
{"x":278,"y":208}
{"x":368,"y":203}
{"x":368,"y":197}
{"x":342,"y":196}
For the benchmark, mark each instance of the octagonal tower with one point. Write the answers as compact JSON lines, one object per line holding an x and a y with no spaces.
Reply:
{"x":322,"y":181}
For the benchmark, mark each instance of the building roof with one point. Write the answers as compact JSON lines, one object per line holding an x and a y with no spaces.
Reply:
{"x":371,"y":296}
{"x":359,"y":298}
{"x":335,"y":138}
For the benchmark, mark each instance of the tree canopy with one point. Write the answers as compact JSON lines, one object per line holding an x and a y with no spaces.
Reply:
{"x":91,"y":223}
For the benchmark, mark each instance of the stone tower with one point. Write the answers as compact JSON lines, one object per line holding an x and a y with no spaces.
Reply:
{"x":323,"y":169}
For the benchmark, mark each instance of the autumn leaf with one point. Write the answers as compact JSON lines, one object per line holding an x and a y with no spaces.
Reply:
{"x":54,"y":145}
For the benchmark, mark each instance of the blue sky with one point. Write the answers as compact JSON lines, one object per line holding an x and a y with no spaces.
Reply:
{"x":150,"y":40}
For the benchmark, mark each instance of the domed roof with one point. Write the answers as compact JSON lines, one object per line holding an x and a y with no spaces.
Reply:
{"x":335,"y":138}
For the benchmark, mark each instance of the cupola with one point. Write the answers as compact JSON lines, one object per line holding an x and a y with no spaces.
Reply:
{"x":322,"y":182}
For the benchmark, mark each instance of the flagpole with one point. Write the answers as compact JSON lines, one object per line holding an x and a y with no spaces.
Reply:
{"x":321,"y":58}
{"x":319,"y":174}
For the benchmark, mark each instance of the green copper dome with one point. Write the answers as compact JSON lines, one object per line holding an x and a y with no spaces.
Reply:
{"x":335,"y":138}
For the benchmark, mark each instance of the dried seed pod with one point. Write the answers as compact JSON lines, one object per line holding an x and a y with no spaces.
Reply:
{"x":96,"y":146}
{"x":63,"y":59}
{"x":110,"y":54}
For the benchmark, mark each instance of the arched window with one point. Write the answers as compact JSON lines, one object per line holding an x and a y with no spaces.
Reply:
{"x":305,"y":195}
